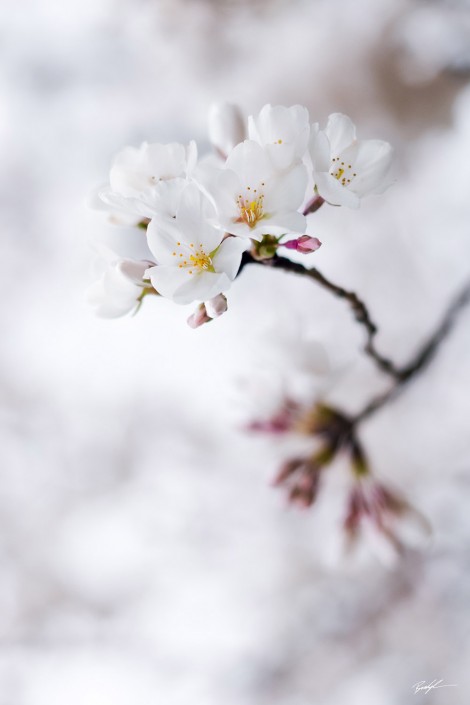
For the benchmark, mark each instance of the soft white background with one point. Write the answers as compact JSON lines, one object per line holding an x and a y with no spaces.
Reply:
{"x":144,"y":558}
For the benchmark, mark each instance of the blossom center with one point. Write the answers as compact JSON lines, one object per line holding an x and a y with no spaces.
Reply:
{"x":342,"y":171}
{"x":251,"y":207}
{"x":195,"y":260}
{"x":200,"y":260}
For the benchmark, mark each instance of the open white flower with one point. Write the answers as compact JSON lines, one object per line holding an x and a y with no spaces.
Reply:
{"x":119,"y":290}
{"x":149,"y":179}
{"x":195,"y":263}
{"x":346,"y":169}
{"x":253,"y":199}
{"x":284,"y":132}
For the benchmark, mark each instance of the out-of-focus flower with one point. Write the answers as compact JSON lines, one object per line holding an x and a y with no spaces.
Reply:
{"x":253,"y":198}
{"x":149,"y":179}
{"x":346,"y":169}
{"x":120,"y":289}
{"x":195,"y":263}
{"x":284,"y":132}
{"x":304,"y":244}
{"x":384,"y":518}
{"x":301,"y":476}
{"x":226,"y":127}
{"x":282,"y":421}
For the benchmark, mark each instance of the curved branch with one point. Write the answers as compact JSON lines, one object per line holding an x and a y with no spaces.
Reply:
{"x":422,"y":358}
{"x":358,"y":307}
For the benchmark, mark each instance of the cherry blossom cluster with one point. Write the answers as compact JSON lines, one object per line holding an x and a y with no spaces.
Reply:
{"x":183,"y":222}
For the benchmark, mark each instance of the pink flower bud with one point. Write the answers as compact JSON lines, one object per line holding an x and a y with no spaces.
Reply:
{"x":304,"y":244}
{"x":199,"y":317}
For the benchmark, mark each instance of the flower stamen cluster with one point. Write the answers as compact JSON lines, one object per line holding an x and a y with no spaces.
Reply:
{"x":251,"y":211}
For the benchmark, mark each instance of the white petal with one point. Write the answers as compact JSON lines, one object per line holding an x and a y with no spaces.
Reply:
{"x":134,"y":271}
{"x":167,"y":280}
{"x":250,"y":162}
{"x":129,"y":205}
{"x":280,"y":224}
{"x":224,"y":186}
{"x":125,"y":242}
{"x":201,"y":287}
{"x":191,"y":157}
{"x":242,"y":230}
{"x":372,"y":164}
{"x":287,"y":191}
{"x":253,"y":132}
{"x":319,"y":149}
{"x":114,"y":294}
{"x":164,"y":238}
{"x":192,"y":218}
{"x":333,"y":192}
{"x":228,"y":257}
{"x":282,"y":155}
{"x":165,"y":197}
{"x":165,"y":161}
{"x":226,"y":126}
{"x":283,"y":131}
{"x":341,"y":132}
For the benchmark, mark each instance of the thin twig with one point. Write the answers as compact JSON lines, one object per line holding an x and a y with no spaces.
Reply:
{"x":423,"y":356}
{"x":358,"y":307}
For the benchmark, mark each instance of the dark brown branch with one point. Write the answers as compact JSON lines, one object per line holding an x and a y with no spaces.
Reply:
{"x":358,"y":307}
{"x":422,"y":358}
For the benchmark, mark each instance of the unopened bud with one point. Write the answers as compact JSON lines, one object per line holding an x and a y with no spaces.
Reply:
{"x":199,"y":317}
{"x":226,"y":127}
{"x":304,"y":244}
{"x":216,"y":306}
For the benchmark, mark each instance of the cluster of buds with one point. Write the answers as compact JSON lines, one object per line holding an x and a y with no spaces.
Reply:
{"x":372,"y":507}
{"x":301,"y":477}
{"x":332,"y":429}
{"x":182,"y":222}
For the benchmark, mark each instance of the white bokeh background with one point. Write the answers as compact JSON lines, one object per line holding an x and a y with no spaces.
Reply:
{"x":144,"y":558}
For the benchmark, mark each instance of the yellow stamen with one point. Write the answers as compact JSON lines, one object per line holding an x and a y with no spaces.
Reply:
{"x":251,"y":211}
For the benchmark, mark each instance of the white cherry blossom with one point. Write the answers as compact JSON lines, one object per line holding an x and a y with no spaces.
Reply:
{"x":147,"y":180}
{"x":346,"y":169}
{"x":195,"y":262}
{"x":253,"y":199}
{"x":284,"y":132}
